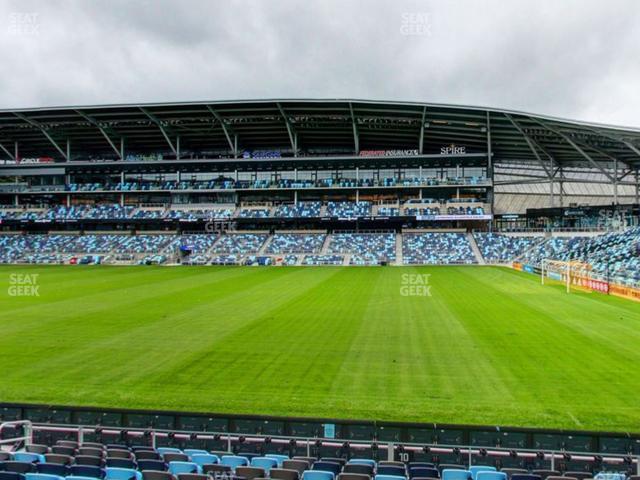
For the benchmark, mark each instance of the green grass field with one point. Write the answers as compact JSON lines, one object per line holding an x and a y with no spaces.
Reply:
{"x":489,"y":346}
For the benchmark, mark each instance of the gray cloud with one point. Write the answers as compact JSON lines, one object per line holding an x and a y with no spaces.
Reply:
{"x":571,"y":58}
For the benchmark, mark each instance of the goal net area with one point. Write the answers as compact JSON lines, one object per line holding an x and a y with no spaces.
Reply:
{"x":573,"y":274}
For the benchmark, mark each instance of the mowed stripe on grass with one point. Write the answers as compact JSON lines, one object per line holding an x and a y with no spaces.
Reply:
{"x":489,"y":346}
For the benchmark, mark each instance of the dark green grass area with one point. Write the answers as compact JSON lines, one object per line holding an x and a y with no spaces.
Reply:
{"x":489,"y":346}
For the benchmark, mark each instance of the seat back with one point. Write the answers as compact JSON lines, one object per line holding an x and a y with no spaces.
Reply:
{"x":362,"y":461}
{"x":19,"y":467}
{"x":33,"y":448}
{"x":455,"y":474}
{"x":284,"y":474}
{"x":89,"y":460}
{"x":86,"y":471}
{"x":511,"y":471}
{"x":183,"y":467}
{"x":95,"y":452}
{"x":53,"y":469}
{"x":298,"y":465}
{"x":4,"y":456}
{"x":525,"y":476}
{"x":340,"y":461}
{"x":392,"y":470}
{"x":114,"y":473}
{"x":353,"y":476}
{"x":204,"y":458}
{"x":317,"y":475}
{"x":358,"y":468}
{"x":41,"y":476}
{"x":74,"y":477}
{"x":119,"y":453}
{"x":578,"y":475}
{"x":250,"y":472}
{"x":63,"y":450}
{"x":327,"y":467}
{"x":475,"y":469}
{"x":194,"y":451}
{"x":278,"y":458}
{"x":151,"y":465}
{"x":309,"y":460}
{"x":28,"y":457}
{"x":163,"y":450}
{"x":67,"y":443}
{"x":389,"y":463}
{"x":234,"y":461}
{"x":126,"y":463}
{"x":265,"y":463}
{"x":146,"y":455}
{"x":156,"y":475}
{"x":491,"y":476}
{"x":175,"y":457}
{"x":423,"y":472}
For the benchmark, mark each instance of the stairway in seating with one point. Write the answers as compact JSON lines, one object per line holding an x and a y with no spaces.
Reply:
{"x":476,"y":250}
{"x":399,"y":258}
{"x":264,"y":246}
{"x":325,"y":246}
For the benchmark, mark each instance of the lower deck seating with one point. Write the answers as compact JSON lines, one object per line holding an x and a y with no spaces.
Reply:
{"x":436,"y":249}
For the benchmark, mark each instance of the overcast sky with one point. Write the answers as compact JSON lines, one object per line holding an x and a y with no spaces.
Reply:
{"x":577,"y":59}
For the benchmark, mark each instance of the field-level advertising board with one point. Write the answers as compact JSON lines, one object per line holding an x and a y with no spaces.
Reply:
{"x":572,"y":273}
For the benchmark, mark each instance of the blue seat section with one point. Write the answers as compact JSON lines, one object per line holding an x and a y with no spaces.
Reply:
{"x":264,"y":462}
{"x":475,"y":469}
{"x":11,"y":476}
{"x":283,"y":243}
{"x":176,"y":468}
{"x":204,"y":458}
{"x":436,"y":249}
{"x":301,"y":209}
{"x":318,"y":475}
{"x":234,"y":461}
{"x":112,"y":473}
{"x":323,"y":260}
{"x":501,"y":248}
{"x":455,"y":474}
{"x":365,"y":248}
{"x":74,"y":477}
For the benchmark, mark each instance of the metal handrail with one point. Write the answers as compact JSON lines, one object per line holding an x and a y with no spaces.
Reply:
{"x":27,"y":432}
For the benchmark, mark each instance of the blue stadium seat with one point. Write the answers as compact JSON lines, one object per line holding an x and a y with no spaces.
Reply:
{"x":204,"y":458}
{"x":176,"y":468}
{"x":455,"y":474}
{"x":194,"y":451}
{"x":28,"y":457}
{"x":112,"y":473}
{"x":317,"y":475}
{"x":277,"y":458}
{"x":475,"y":469}
{"x":486,"y":475}
{"x":363,"y":461}
{"x":163,"y":450}
{"x":234,"y":461}
{"x":264,"y":462}
{"x":327,"y":467}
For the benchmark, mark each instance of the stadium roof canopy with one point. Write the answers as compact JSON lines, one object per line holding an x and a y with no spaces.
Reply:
{"x":304,"y":125}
